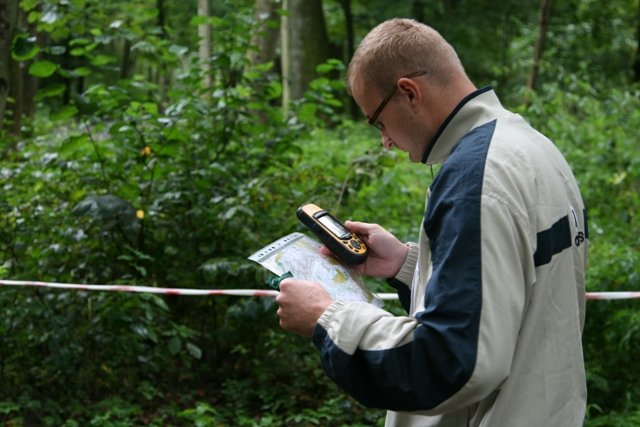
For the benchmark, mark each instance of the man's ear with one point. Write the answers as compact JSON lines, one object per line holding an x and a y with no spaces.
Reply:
{"x":410,"y":88}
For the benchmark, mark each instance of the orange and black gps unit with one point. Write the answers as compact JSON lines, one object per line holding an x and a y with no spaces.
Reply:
{"x":342,"y":242}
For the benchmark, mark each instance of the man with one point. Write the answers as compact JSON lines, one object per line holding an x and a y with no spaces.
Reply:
{"x":495,"y":286}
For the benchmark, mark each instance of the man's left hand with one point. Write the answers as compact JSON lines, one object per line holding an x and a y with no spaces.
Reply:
{"x":301,"y":304}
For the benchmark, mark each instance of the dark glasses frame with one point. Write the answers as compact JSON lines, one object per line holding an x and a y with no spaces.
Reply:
{"x":373,"y":120}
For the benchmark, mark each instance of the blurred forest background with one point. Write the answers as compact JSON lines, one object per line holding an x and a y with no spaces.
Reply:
{"x":160,"y":143}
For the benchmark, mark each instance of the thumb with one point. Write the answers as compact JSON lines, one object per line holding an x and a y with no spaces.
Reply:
{"x":360,"y":228}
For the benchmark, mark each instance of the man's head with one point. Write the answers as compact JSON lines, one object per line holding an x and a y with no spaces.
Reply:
{"x":407,"y":79}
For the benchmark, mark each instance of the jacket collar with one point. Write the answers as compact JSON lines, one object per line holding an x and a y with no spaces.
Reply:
{"x":475,"y":109}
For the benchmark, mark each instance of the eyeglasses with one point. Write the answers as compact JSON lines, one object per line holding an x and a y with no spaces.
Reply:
{"x":373,"y":120}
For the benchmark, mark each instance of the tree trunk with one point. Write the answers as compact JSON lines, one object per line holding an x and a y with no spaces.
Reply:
{"x":18,"y":77}
{"x":161,"y":18}
{"x":308,"y":41}
{"x":204,"y":34}
{"x":636,"y":64}
{"x":285,"y":58}
{"x":164,"y":76}
{"x":8,"y":16}
{"x":16,"y":87}
{"x":24,"y":86}
{"x":126,"y":60}
{"x":349,"y":28}
{"x":67,"y":65}
{"x":264,"y":37}
{"x":29,"y":92}
{"x":545,"y":14}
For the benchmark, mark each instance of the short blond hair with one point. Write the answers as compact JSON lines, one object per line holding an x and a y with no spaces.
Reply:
{"x":399,"y":47}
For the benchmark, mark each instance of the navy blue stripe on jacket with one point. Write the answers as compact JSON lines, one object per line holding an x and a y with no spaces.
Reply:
{"x":552,"y":241}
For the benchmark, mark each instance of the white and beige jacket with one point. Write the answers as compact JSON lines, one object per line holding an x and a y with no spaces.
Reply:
{"x":494,"y":289}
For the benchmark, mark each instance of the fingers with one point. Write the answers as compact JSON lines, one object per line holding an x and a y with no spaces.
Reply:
{"x":286,"y":282}
{"x":361,"y":228}
{"x":281,"y":298}
{"x":326,"y":251}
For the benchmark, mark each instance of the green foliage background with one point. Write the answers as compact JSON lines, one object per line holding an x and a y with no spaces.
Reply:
{"x":133,"y":180}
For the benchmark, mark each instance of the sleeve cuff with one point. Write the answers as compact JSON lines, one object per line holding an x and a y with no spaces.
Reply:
{"x":325,"y":320}
{"x":405,"y":274}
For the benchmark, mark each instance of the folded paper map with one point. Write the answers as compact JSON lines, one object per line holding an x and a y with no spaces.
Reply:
{"x":300,"y":255}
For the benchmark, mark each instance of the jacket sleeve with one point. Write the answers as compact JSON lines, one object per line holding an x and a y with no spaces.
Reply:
{"x":402,"y":281}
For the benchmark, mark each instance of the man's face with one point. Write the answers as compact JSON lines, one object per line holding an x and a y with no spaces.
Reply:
{"x":397,"y":119}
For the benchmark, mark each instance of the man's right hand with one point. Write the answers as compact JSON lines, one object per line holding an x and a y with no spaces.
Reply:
{"x":386,"y":252}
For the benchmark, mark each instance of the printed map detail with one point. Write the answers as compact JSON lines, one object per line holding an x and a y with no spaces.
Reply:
{"x":301,"y":256}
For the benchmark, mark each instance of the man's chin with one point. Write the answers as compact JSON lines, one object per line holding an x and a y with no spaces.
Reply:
{"x":414,"y":158}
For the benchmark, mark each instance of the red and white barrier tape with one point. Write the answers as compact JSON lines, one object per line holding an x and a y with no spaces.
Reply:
{"x":239,"y":292}
{"x":612,"y":295}
{"x":144,"y":289}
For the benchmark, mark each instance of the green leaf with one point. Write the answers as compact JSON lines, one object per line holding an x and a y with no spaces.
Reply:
{"x":307,"y":113}
{"x":617,"y":178}
{"x":51,"y":90}
{"x":7,"y":407}
{"x":42,"y":68}
{"x":198,"y":20}
{"x":82,"y":71}
{"x":274,"y":90}
{"x":330,"y":65}
{"x":24,"y":47}
{"x":194,"y":351}
{"x":33,"y":16}
{"x":151,"y":108}
{"x":80,"y":41}
{"x":175,"y":134}
{"x":64,"y":113}
{"x":57,"y":50}
{"x":28,"y":5}
{"x":99,"y":60}
{"x":51,"y":16}
{"x":174,"y":345}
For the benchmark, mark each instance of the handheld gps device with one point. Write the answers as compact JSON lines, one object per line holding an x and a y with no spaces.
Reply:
{"x":342,"y":242}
